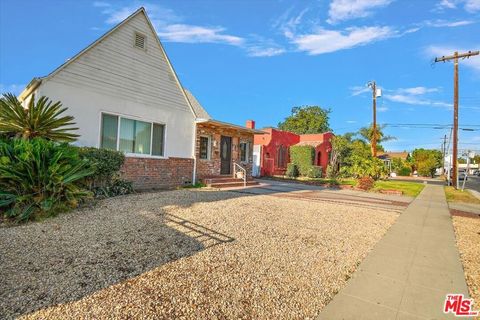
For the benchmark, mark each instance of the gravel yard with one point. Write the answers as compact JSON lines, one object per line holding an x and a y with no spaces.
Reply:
{"x":186,"y":254}
{"x":467,"y":231}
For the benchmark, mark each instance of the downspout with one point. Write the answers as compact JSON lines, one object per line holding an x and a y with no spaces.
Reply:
{"x":194,"y":178}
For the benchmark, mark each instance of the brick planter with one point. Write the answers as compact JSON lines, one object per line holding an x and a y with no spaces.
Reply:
{"x":153,"y":173}
{"x":389,"y":191}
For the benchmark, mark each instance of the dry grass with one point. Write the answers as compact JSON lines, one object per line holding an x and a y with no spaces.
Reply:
{"x":467,"y":231}
{"x":287,"y":259}
{"x":465,"y":196}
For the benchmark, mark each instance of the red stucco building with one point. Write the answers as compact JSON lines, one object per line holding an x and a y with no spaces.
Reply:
{"x":272,"y":149}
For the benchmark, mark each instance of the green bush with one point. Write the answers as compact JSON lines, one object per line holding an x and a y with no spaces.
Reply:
{"x":404,"y":171}
{"x":331,"y":172}
{"x":106,"y":181}
{"x":315,"y":172}
{"x":40,"y":178}
{"x":115,"y":188}
{"x":292,"y":170}
{"x":303,"y":157}
{"x":106,"y":163}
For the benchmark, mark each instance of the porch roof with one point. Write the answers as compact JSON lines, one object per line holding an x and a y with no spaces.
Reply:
{"x":221,"y":124}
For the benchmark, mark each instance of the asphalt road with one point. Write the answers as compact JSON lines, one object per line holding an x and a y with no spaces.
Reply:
{"x":473,"y":183}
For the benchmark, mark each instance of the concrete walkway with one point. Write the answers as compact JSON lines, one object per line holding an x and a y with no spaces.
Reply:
{"x":411,"y":269}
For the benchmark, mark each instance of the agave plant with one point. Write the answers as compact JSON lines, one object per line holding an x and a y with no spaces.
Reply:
{"x":39,"y":119}
{"x":40,"y":177}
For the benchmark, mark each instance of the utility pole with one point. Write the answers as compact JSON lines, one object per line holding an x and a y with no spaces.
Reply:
{"x":455,"y":58}
{"x":373,"y":86}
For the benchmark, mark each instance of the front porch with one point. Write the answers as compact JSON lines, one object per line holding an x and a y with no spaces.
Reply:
{"x":223,"y":151}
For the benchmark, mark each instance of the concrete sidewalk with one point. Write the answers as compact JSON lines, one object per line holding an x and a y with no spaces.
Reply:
{"x":411,"y":269}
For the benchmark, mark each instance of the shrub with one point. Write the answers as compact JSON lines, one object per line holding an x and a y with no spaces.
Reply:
{"x":331,"y":172}
{"x":106,"y":181}
{"x":292,"y":170}
{"x":303,"y":157}
{"x":106,"y":163}
{"x":315,"y":172}
{"x":404,"y":171}
{"x":115,"y":188}
{"x":365,"y":183}
{"x":40,"y":178}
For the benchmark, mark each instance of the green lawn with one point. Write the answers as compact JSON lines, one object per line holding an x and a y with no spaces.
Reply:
{"x":351,"y":182}
{"x":460,"y":196}
{"x":412,"y":189}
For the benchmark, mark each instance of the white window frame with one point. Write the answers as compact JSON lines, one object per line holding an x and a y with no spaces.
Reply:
{"x":209,"y":148}
{"x":247,"y":151}
{"x":130,"y":117}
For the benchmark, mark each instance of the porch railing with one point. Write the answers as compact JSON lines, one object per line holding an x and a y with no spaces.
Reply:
{"x":239,"y":168}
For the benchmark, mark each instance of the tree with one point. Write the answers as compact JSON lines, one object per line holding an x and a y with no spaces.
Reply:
{"x":426,"y":161}
{"x":352,"y":158}
{"x":40,"y":119}
{"x":366,"y":134}
{"x":475,"y":159}
{"x":341,"y":148}
{"x":306,"y":119}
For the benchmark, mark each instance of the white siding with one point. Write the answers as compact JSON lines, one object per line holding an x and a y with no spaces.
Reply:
{"x":114,"y":76}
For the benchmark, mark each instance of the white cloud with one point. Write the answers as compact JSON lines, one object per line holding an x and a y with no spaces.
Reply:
{"x":324,"y":41}
{"x":197,"y":34}
{"x":450,"y":24}
{"x":416,"y":100}
{"x":418,"y":90}
{"x":358,"y":90}
{"x":341,"y":10}
{"x":16,"y":89}
{"x":258,"y":51}
{"x":351,"y":121}
{"x":439,"y":51}
{"x":471,"y":6}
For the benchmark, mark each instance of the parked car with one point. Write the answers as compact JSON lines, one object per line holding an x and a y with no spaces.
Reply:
{"x":462,"y":175}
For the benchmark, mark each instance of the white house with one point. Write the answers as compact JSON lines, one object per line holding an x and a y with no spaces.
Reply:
{"x":125,"y":95}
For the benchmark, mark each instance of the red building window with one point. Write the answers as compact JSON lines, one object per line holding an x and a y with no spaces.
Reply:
{"x":281,"y":159}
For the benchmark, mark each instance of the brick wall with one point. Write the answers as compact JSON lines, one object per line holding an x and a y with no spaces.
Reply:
{"x":150,"y":173}
{"x":211,"y":167}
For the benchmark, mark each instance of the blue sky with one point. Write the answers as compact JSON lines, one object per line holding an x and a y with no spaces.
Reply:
{"x":258,"y":59}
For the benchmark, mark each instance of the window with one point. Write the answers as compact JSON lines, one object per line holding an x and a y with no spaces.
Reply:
{"x":140,"y":41}
{"x":132,"y":136}
{"x":109,"y":132}
{"x":243,"y":151}
{"x":205,"y":148}
{"x":282,"y":152}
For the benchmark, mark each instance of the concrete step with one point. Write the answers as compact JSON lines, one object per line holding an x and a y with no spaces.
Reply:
{"x":230,"y":184}
{"x":220,"y":180}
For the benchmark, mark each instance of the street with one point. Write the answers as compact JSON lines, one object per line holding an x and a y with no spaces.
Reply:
{"x":473,"y":183}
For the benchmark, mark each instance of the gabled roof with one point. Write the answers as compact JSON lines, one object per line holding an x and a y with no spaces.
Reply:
{"x":198,"y":110}
{"x":35,"y":82}
{"x":390,"y":155}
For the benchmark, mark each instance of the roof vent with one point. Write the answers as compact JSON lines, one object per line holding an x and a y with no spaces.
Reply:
{"x":140,"y":41}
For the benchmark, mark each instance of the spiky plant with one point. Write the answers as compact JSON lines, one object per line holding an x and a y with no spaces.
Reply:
{"x":41,"y":118}
{"x":40,"y":178}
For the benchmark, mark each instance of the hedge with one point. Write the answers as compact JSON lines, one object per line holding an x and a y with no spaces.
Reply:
{"x":303,"y":157}
{"x":106,"y":181}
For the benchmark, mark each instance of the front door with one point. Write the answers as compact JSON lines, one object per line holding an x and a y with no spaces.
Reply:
{"x":225,"y":155}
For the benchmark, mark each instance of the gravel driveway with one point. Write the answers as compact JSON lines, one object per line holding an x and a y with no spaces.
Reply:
{"x":187,"y":254}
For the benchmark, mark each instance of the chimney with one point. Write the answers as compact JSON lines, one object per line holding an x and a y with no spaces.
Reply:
{"x":250,"y":124}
